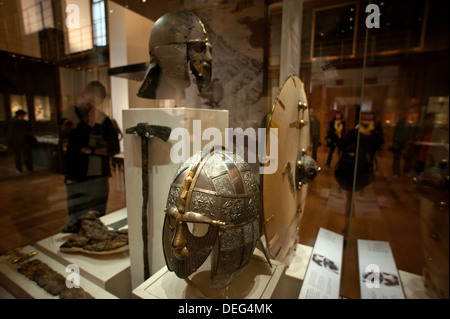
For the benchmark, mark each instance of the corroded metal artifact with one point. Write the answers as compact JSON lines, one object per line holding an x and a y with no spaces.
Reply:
{"x":93,"y":237}
{"x":51,"y":281}
{"x":146,"y":131}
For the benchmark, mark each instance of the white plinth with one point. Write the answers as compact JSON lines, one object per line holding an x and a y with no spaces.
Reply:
{"x":292,"y":279}
{"x":161,"y":173}
{"x":413,"y":285}
{"x":23,"y":288}
{"x":257,"y":281}
{"x":110,"y":272}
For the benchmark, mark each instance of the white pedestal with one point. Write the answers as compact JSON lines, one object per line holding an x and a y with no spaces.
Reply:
{"x":23,"y":288}
{"x":110,"y":272}
{"x":257,"y":281}
{"x":413,"y":285}
{"x":292,"y":279}
{"x":161,"y":173}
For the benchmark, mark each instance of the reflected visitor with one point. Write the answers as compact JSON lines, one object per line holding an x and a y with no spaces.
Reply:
{"x":91,"y":142}
{"x":423,"y":143}
{"x":335,"y":133}
{"x":65,"y":127}
{"x":21,"y":140}
{"x":406,"y":129}
{"x":373,"y":129}
{"x":359,"y":154}
{"x":314,"y":130}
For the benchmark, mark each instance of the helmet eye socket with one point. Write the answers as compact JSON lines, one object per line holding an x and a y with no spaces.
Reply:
{"x":198,"y":229}
{"x":199,"y":46}
{"x":195,"y":229}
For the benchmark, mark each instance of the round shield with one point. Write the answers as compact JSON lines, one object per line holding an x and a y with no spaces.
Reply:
{"x":284,"y":192}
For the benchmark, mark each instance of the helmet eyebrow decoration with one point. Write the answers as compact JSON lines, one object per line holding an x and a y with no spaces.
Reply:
{"x":192,"y":217}
{"x":203,"y":29}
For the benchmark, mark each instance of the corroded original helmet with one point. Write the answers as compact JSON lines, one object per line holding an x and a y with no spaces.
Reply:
{"x":178,"y":39}
{"x":213,"y":208}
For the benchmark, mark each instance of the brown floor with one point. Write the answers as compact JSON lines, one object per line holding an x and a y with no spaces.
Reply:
{"x":33,"y":206}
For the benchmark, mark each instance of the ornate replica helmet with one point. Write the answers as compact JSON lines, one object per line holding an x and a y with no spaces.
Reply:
{"x":178,"y":39}
{"x":213,"y":208}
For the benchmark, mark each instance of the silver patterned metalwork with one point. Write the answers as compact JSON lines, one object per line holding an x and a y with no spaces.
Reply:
{"x":213,"y":208}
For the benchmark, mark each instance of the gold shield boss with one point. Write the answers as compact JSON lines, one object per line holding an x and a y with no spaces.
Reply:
{"x":213,"y":208}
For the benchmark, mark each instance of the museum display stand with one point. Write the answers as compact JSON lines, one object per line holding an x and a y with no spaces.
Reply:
{"x":283,"y":280}
{"x":23,"y":288}
{"x":292,"y":278}
{"x":110,"y":272}
{"x":187,"y":127}
{"x":102,"y":276}
{"x":258,"y":281}
{"x":121,"y":275}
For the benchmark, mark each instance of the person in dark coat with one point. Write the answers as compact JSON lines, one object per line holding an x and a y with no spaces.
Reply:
{"x":335,"y":133}
{"x":369,"y":126}
{"x":405,"y":130}
{"x":91,"y":142}
{"x":314,"y":127}
{"x":355,"y":154}
{"x":21,"y":140}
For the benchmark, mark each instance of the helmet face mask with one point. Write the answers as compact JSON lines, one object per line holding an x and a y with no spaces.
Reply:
{"x":185,"y":252}
{"x":212,"y":210}
{"x":178,"y":45}
{"x":200,"y":60}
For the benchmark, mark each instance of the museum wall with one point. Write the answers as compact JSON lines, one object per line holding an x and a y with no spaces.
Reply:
{"x":128,"y":44}
{"x":234,"y":30}
{"x":12,"y":33}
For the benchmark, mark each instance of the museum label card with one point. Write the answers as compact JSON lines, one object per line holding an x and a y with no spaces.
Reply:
{"x":323,"y":276}
{"x":378,"y":275}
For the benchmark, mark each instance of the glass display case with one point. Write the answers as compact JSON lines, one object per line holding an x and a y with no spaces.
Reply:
{"x":394,"y":75}
{"x":42,"y":111}
{"x":19,"y":102}
{"x":374,"y":85}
